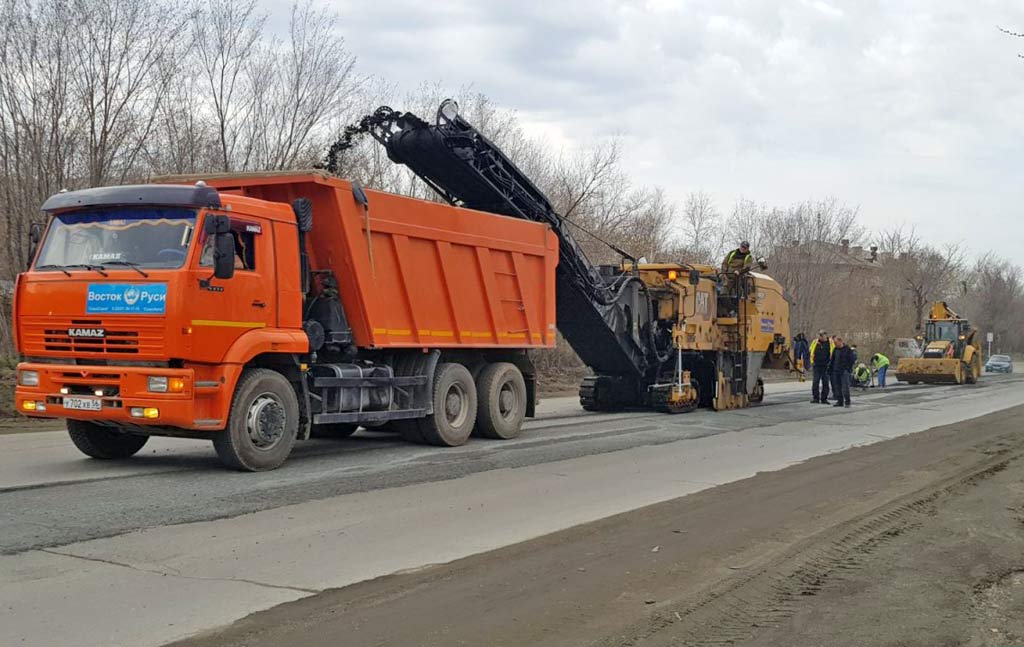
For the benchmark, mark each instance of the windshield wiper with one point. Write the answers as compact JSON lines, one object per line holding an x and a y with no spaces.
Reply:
{"x":54,"y":267}
{"x":134,"y":266}
{"x":83,"y":266}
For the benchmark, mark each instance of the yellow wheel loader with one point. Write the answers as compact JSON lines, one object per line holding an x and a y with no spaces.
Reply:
{"x":951,"y":352}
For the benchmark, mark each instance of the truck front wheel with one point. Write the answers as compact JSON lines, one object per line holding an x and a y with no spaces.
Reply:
{"x":262,"y":425}
{"x":102,"y":442}
{"x":502,"y":406}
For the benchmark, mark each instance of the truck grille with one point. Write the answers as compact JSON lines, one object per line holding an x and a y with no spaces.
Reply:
{"x":49,"y":336}
{"x":114,"y":342}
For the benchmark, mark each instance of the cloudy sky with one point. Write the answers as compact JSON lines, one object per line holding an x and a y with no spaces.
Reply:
{"x":913,"y":110}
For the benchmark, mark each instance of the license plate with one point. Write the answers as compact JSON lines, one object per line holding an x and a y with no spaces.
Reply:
{"x":83,"y":404}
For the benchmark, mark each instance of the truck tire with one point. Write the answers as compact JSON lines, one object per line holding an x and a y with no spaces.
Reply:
{"x":501,"y":406}
{"x":263,"y":422}
{"x":336,"y":430}
{"x":102,"y":442}
{"x":454,"y":399}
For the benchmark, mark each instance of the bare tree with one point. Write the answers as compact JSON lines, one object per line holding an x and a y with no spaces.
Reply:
{"x":121,"y":66}
{"x":227,"y":34}
{"x":994,"y":301}
{"x":40,"y":119}
{"x":703,"y":233}
{"x":184,"y":139}
{"x":808,"y":250}
{"x":296,"y":87}
{"x":925,"y":273}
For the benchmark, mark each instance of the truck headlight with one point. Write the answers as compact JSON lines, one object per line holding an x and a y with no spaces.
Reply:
{"x":28,"y":378}
{"x":164,"y":384}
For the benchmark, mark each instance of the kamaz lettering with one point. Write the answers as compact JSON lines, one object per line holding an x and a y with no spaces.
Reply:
{"x":94,"y":333}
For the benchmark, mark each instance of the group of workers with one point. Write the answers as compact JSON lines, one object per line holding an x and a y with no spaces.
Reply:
{"x":834,"y":367}
{"x":833,"y":362}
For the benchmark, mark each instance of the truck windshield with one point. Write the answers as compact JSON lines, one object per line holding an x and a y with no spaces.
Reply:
{"x":145,"y":237}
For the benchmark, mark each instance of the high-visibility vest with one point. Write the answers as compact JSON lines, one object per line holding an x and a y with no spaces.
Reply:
{"x":732,"y":255}
{"x":880,"y":360}
{"x":814,"y":344}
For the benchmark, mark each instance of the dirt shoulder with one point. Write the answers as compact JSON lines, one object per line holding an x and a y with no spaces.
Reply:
{"x":913,"y":541}
{"x":951,"y":573}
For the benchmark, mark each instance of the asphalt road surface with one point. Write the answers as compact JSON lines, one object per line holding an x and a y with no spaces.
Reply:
{"x":168,"y":545}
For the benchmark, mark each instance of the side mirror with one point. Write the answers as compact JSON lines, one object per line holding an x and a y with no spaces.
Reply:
{"x":217,"y":224}
{"x":223,"y":255}
{"x":219,"y":227}
{"x":35,"y":234}
{"x":694,"y":277}
{"x":763,"y":264}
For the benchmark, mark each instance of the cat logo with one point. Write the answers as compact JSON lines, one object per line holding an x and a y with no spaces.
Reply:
{"x":702,"y":302}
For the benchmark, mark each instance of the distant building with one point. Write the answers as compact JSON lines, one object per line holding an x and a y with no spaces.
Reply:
{"x":844,"y":288}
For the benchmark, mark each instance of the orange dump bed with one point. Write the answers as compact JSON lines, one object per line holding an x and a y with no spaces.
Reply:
{"x":429,"y":274}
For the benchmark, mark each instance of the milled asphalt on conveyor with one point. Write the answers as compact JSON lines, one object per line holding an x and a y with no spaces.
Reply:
{"x":194,"y":487}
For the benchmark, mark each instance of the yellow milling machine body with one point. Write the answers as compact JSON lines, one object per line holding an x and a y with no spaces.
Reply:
{"x":951,"y":352}
{"x":721,"y":341}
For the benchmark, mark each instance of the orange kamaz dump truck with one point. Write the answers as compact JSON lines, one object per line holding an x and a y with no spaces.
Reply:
{"x":255,"y":310}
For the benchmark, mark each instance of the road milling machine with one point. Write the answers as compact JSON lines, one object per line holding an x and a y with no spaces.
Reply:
{"x":951,"y":351}
{"x":672,"y":336}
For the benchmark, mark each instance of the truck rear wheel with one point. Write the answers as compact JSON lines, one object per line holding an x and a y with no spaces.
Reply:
{"x":455,"y":406}
{"x":501,"y":391}
{"x":263,"y":423}
{"x":102,"y":442}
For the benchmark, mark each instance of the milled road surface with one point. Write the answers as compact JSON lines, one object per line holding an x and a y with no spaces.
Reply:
{"x":177,"y":546}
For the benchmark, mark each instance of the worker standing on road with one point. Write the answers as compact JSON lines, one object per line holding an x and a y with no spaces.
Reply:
{"x":821,"y":355}
{"x":880,"y":363}
{"x":842,"y":370}
{"x":801,"y":352}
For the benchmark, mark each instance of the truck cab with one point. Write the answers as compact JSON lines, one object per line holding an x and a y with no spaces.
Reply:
{"x":144,"y":303}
